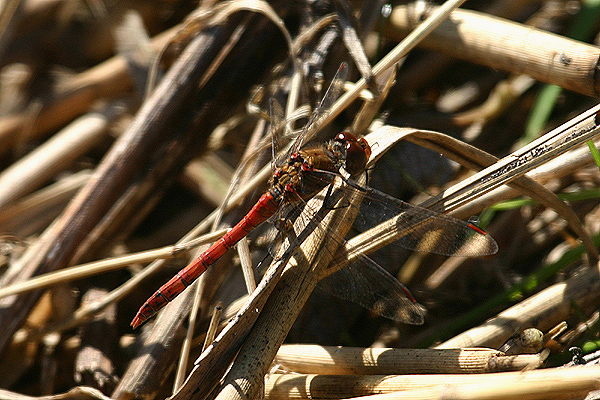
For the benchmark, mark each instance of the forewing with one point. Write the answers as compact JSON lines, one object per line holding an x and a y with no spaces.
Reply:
{"x":420,"y":229}
{"x":323,"y":109}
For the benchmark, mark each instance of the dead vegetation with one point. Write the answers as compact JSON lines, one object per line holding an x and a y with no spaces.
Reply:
{"x":129,"y":129}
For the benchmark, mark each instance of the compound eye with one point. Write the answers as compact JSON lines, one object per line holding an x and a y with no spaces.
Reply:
{"x":345,"y":137}
{"x":356,"y":157}
{"x":341,"y":137}
{"x":365,"y":145}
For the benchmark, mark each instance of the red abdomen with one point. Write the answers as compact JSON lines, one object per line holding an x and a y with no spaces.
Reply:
{"x":264,"y":208}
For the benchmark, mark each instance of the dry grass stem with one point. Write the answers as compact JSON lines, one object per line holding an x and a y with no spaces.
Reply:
{"x":212,"y":328}
{"x":98,"y":267}
{"x":567,"y":136}
{"x":567,"y":163}
{"x":247,"y":269}
{"x":186,"y":346}
{"x":469,"y":189}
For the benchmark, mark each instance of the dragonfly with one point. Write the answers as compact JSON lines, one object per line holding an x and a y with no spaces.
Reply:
{"x":304,"y":173}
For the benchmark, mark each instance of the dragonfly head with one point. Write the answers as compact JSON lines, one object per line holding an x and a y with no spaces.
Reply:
{"x":356,"y":152}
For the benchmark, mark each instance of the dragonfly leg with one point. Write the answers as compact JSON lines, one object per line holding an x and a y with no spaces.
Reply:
{"x":329,"y":203}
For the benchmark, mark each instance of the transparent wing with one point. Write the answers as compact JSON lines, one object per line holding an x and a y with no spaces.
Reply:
{"x":322,"y":109}
{"x":276,"y":130}
{"x":422,"y":229}
{"x":366,"y":283}
{"x":362,"y":280}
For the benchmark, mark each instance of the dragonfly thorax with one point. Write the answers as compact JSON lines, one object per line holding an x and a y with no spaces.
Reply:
{"x":299,"y":178}
{"x":309,"y":170}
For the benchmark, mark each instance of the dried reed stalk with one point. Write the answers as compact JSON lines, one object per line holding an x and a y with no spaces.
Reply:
{"x":543,"y":310}
{"x":537,"y":384}
{"x":508,"y":46}
{"x":329,"y":360}
{"x":266,"y":317}
{"x":47,"y":161}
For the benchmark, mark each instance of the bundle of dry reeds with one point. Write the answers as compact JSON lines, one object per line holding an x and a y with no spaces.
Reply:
{"x":133,"y":134}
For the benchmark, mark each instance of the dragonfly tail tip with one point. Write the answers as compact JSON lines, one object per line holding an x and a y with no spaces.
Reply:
{"x":137,"y":321}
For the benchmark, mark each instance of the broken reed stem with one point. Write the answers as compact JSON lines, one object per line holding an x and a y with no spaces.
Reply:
{"x":212,"y":327}
{"x":332,"y":360}
{"x":182,"y":363}
{"x":246,"y":262}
